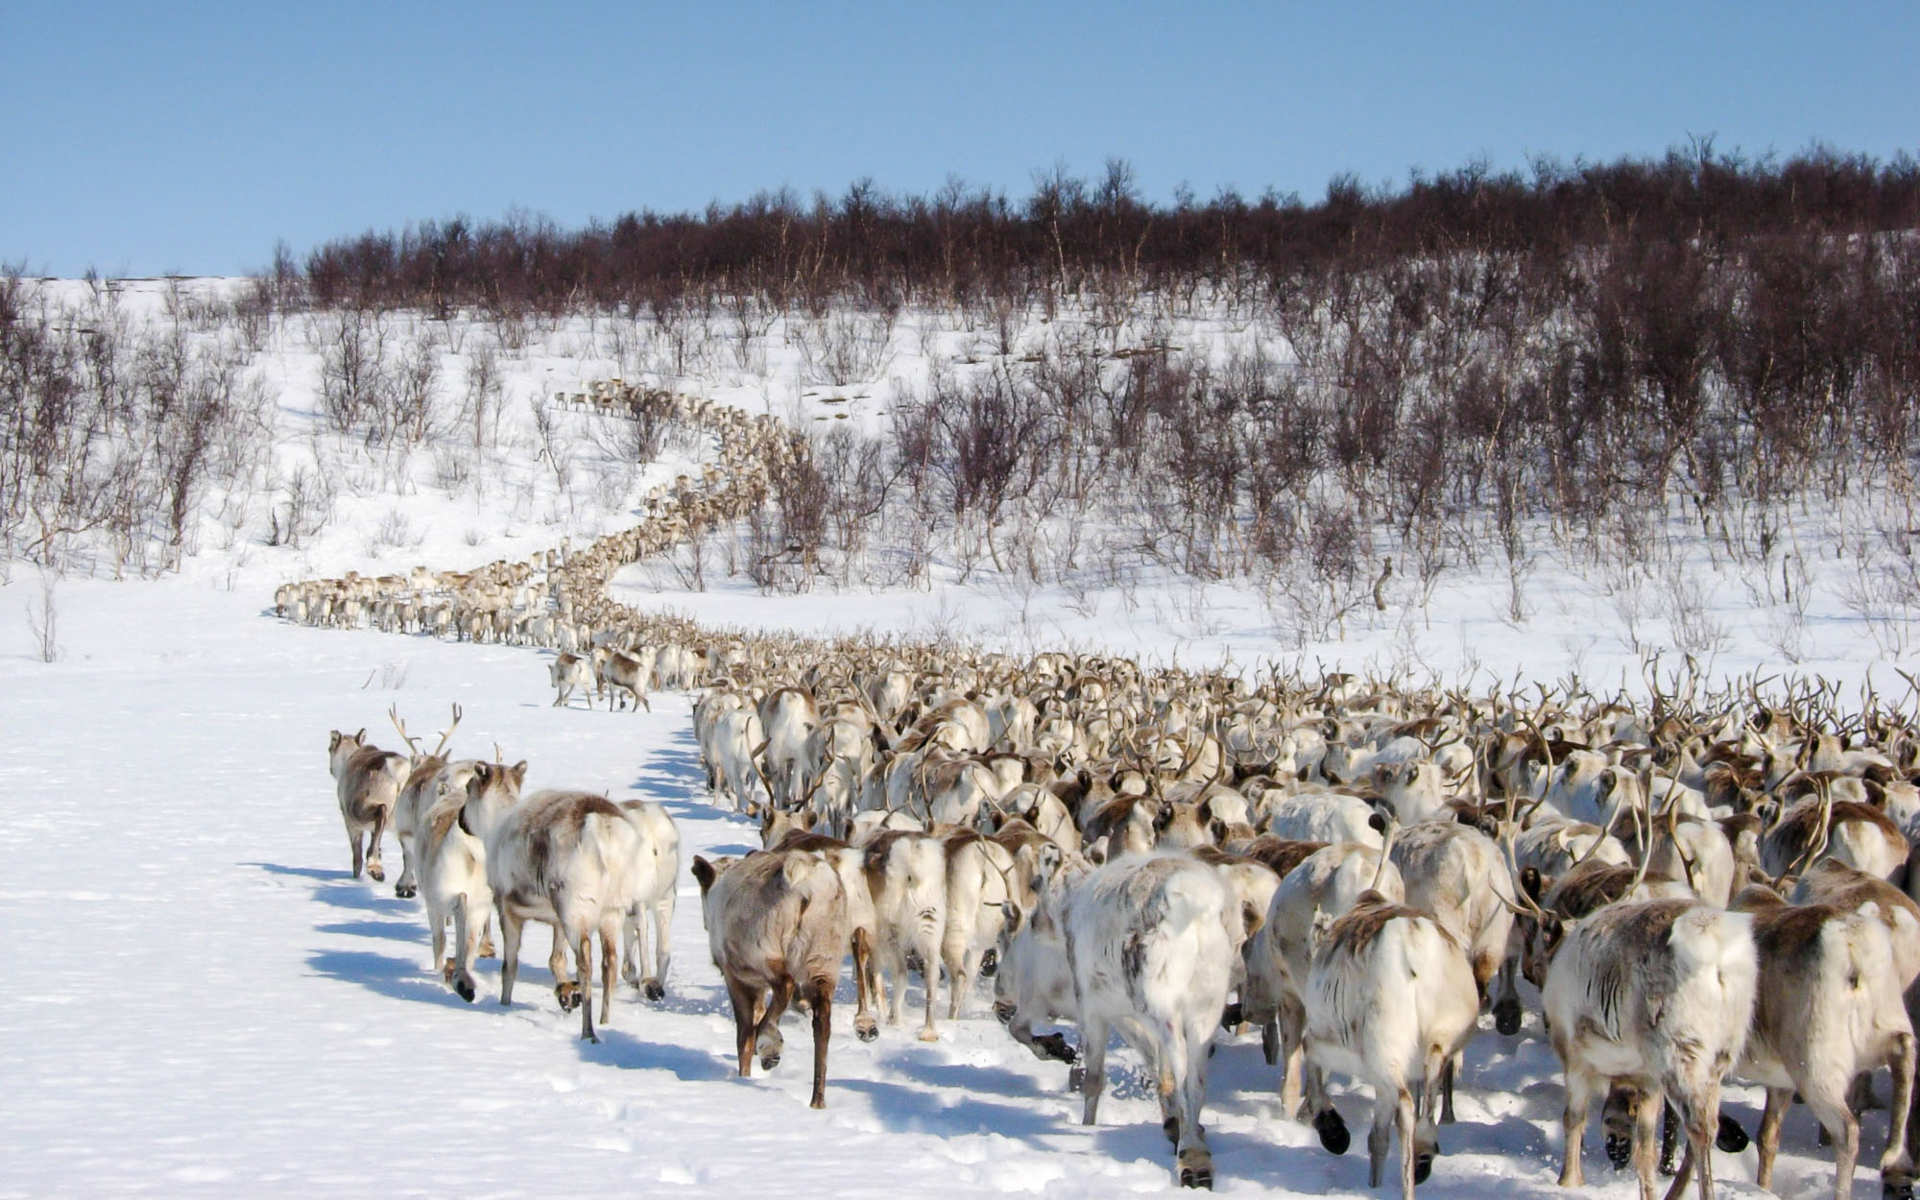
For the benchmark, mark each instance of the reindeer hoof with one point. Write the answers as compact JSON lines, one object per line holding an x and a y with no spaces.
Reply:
{"x":929,"y":1035}
{"x":1619,"y":1151}
{"x":1196,"y":1169}
{"x":989,"y":963}
{"x":405,"y":891}
{"x":1056,"y":1047}
{"x":569,"y":997}
{"x":1731,"y":1139}
{"x":769,"y":1061}
{"x":866,"y":1030}
{"x":1896,"y":1186}
{"x":1232,"y":1016}
{"x":654,"y":990}
{"x":463,"y":988}
{"x":378,"y":872}
{"x":1422,"y":1167}
{"x":487,"y":950}
{"x":1334,"y":1137}
{"x":1003,"y":1013}
{"x":1506,"y":1017}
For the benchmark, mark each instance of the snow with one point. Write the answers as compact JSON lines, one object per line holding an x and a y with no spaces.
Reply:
{"x":200,"y":1001}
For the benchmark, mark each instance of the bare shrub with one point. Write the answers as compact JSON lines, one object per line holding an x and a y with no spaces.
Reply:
{"x":43,"y":621}
{"x":356,"y":380}
{"x":480,"y":410}
{"x":845,"y":348}
{"x":1696,"y":631}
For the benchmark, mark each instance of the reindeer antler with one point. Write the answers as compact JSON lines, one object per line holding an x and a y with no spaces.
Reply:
{"x":446,"y":735}
{"x":393,"y":714}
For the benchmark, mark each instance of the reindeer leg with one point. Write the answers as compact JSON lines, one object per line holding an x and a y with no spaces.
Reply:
{"x":1410,"y":1153}
{"x":771,"y":1039}
{"x":408,"y":885}
{"x":568,"y":985}
{"x":633,"y":944}
{"x":1896,"y":1164}
{"x":1581,"y":1087}
{"x":353,"y":847}
{"x":1647,"y":1111}
{"x":464,"y":939}
{"x":585,"y":962}
{"x":959,"y":979}
{"x":744,"y":999}
{"x":1380,"y":1138}
{"x":1332,"y":1130}
{"x":1195,"y":1157}
{"x":864,"y":1026}
{"x":437,"y":929}
{"x":609,"y":964}
{"x":1093,"y":1044}
{"x":820,"y":998}
{"x":1768,"y":1135}
{"x":662,"y":911}
{"x":374,"y":867}
{"x":510,"y":929}
{"x":1836,"y":1117}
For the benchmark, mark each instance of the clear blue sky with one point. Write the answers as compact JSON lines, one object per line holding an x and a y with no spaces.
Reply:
{"x":189,"y":136}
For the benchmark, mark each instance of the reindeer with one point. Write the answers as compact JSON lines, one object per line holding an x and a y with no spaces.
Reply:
{"x":1391,"y":999}
{"x":1151,"y":943}
{"x":777,"y":925}
{"x":571,"y":860}
{"x":1658,"y":994}
{"x":427,"y":776}
{"x":570,"y":672}
{"x":619,"y":672}
{"x":1828,"y":1008}
{"x":907,"y":877}
{"x":367,"y":782}
{"x":453,"y":886}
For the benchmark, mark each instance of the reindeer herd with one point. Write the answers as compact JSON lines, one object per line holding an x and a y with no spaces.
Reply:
{"x":1709,"y":886}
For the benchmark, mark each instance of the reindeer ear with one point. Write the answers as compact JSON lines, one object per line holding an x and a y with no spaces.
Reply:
{"x":1218,"y":829}
{"x":1011,"y":912}
{"x":1530,"y":883}
{"x":805,"y":819}
{"x":362,"y":735}
{"x":704,"y":872}
{"x":333,"y":740}
{"x":481,"y":773}
{"x":519,"y":772}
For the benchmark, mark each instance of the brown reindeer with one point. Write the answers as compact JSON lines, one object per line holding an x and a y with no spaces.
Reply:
{"x":777,"y":924}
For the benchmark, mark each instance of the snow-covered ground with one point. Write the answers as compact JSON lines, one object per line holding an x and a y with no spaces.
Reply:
{"x":200,"y":1001}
